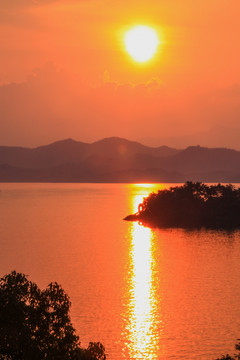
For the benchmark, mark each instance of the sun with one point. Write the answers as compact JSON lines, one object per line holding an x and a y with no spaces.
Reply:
{"x":141,"y":43}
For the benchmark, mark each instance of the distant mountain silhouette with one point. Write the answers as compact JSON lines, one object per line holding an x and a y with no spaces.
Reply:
{"x":71,"y":151}
{"x":216,"y":136}
{"x":117,"y":160}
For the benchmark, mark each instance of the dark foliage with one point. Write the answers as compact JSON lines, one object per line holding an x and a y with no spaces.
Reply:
{"x":193,"y":205}
{"x":95,"y":351}
{"x":35,"y":324}
{"x":234,"y":357}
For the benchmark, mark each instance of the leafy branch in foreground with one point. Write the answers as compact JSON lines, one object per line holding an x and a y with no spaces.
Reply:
{"x":35,"y":324}
{"x":192,"y":205}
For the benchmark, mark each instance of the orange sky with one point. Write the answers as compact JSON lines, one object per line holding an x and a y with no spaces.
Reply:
{"x":64,"y":72}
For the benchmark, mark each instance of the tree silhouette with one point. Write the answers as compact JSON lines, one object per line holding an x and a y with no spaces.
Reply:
{"x":35,"y":324}
{"x":192,"y":205}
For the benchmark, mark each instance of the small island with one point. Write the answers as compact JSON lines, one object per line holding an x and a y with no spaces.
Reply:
{"x":191,"y":206}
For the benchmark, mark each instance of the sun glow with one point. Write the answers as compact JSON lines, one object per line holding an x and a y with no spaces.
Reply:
{"x":141,"y":43}
{"x":143,"y":324}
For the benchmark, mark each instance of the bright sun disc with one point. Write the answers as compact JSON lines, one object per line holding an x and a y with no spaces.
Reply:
{"x":141,"y":43}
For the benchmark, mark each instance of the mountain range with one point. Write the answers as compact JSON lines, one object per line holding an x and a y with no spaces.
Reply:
{"x":117,"y":160}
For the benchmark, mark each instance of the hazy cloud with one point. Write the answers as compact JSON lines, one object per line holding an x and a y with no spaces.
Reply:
{"x":18,"y":4}
{"x":12,"y":4}
{"x":53,"y":104}
{"x":232,"y":92}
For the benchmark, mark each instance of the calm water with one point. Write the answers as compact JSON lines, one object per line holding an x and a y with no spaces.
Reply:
{"x":145,"y":294}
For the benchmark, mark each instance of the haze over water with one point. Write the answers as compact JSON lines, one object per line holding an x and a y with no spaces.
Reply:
{"x":144,"y":293}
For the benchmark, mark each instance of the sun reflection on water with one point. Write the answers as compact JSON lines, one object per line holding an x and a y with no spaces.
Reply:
{"x":143,"y":324}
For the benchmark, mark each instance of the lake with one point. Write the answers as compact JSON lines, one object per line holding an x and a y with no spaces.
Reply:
{"x":144,"y":293}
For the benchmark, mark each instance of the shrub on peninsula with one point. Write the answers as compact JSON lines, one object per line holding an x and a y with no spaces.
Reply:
{"x":192,"y":205}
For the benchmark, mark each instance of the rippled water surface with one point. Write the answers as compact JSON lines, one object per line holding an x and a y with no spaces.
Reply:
{"x":144,"y":293}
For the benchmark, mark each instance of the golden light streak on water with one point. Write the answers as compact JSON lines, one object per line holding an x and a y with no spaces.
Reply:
{"x":143,"y":323}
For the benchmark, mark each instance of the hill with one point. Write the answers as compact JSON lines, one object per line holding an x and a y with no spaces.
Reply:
{"x":117,"y":160}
